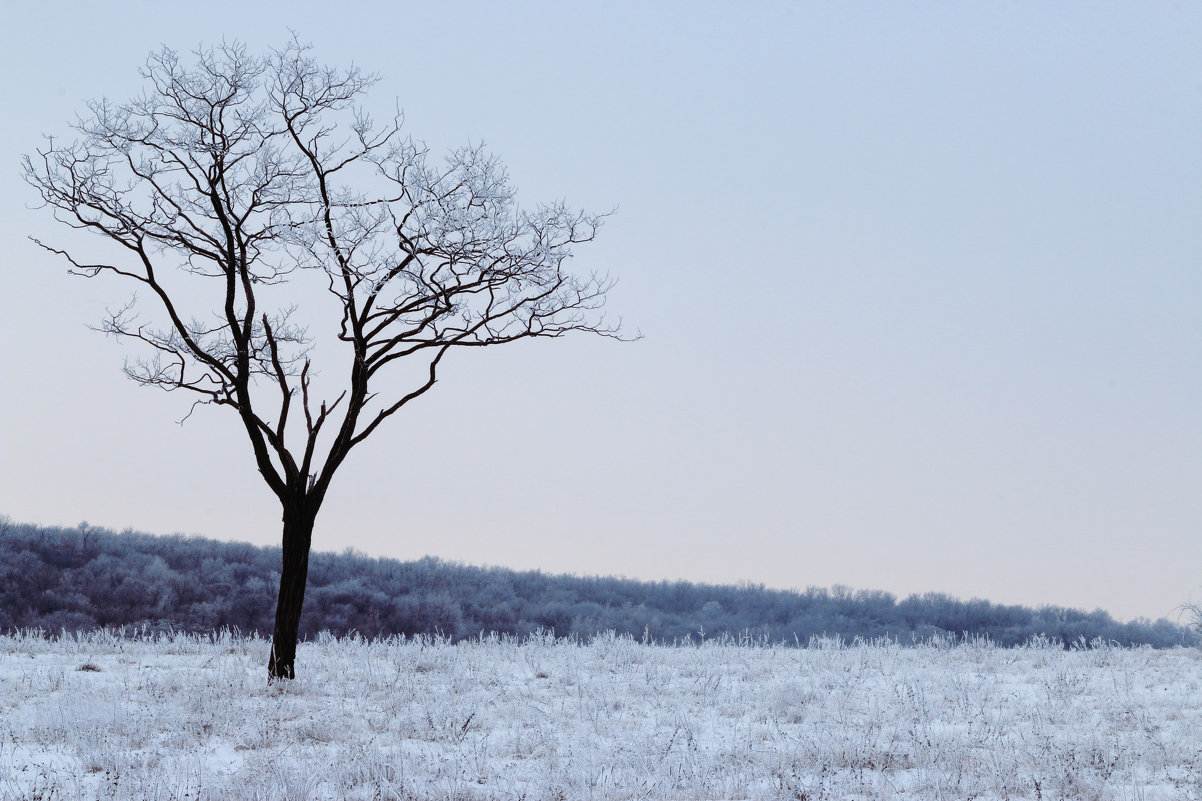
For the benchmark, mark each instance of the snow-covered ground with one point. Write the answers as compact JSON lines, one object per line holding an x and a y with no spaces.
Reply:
{"x":194,"y":718}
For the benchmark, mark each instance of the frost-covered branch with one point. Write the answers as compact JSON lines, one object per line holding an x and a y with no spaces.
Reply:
{"x":231,"y":176}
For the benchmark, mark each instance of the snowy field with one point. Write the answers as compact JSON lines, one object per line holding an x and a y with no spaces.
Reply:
{"x":193,"y":718}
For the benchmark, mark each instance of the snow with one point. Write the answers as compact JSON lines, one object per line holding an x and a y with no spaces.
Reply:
{"x":185,"y":717}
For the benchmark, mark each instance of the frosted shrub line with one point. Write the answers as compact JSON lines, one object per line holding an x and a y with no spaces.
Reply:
{"x":185,"y":717}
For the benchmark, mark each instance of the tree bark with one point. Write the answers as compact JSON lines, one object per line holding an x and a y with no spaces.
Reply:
{"x":298,"y":535}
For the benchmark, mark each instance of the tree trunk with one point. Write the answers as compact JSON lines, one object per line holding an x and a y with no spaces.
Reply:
{"x":298,"y":534}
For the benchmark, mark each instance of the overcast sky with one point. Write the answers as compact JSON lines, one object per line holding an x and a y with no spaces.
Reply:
{"x":919,"y":285}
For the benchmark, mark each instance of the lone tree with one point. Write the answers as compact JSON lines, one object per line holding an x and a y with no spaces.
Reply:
{"x":232,"y":178}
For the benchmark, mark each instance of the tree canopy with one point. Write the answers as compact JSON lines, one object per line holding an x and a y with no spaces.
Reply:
{"x":85,"y":578}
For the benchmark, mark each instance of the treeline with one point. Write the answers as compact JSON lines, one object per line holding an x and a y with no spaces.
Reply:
{"x":87,"y":578}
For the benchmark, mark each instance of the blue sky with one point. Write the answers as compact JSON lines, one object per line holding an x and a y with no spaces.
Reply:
{"x":919,"y":285}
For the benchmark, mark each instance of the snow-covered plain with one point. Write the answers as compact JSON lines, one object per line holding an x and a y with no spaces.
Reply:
{"x":185,"y":717}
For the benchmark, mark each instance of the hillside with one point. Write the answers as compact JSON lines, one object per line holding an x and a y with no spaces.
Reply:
{"x":86,"y":578}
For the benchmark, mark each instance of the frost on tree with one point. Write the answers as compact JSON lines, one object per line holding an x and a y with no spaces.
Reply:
{"x":230,"y":183}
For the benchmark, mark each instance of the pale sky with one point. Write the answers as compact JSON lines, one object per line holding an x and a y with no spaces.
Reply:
{"x":919,"y":285}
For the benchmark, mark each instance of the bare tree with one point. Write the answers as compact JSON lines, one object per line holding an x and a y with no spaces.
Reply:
{"x":233,"y":177}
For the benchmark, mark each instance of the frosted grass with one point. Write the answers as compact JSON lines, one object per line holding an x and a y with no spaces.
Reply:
{"x":185,"y":717}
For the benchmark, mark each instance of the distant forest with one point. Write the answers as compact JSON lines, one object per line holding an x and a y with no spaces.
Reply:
{"x":86,"y":578}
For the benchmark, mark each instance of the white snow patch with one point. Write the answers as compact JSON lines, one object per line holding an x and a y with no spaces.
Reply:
{"x":187,"y":717}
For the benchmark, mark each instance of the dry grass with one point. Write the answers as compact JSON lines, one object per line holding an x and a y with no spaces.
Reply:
{"x":193,"y":718}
